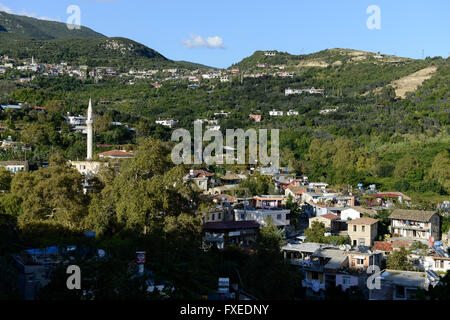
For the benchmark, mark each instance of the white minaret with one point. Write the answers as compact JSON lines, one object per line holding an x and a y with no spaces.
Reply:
{"x":90,"y":131}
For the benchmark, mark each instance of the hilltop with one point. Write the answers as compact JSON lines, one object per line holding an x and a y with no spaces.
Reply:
{"x":22,"y":27}
{"x":356,"y":71}
{"x":329,"y":57}
{"x":52,"y":42}
{"x":114,"y":52}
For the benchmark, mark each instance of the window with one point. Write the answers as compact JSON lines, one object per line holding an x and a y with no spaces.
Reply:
{"x":359,"y":262}
{"x":278,"y":216}
{"x":411,"y":293}
{"x":400,"y":292}
{"x":439,"y":264}
{"x":314,"y":275}
{"x":242,"y":216}
{"x":220,"y":216}
{"x":363,"y":228}
{"x":213,"y":217}
{"x":346,"y":280}
{"x":354,"y":228}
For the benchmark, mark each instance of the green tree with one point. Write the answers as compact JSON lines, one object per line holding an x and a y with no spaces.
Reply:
{"x":440,"y":169}
{"x":316,"y":232}
{"x":5,"y":179}
{"x":54,"y":193}
{"x":272,"y":238}
{"x":295,"y":210}
{"x":398,"y":260}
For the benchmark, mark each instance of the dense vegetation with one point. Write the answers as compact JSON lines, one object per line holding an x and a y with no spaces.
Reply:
{"x":31,"y":28}
{"x":371,"y":138}
{"x":147,"y":207}
{"x":398,"y":144}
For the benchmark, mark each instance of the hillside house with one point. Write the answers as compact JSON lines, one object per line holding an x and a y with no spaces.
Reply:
{"x":202,"y":179}
{"x":295,"y":191}
{"x":350,"y":214}
{"x":268,"y":201}
{"x":276,"y":113}
{"x":360,"y":261}
{"x":400,"y":285}
{"x":329,"y":220}
{"x":230,"y":232}
{"x":362,"y":231}
{"x":88,"y":168}
{"x":279,"y":216}
{"x":322,"y":270}
{"x":167,"y":123}
{"x":14,"y":166}
{"x":415,"y":224}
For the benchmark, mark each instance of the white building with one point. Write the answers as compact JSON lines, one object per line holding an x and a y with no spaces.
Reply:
{"x":292,"y":113}
{"x":222,"y":113}
{"x":211,"y":75}
{"x":76,"y":120}
{"x":167,"y":123}
{"x":275,"y":113}
{"x":87,"y":168}
{"x":279,"y":216}
{"x":350,"y":214}
{"x":290,"y":91}
{"x":14,"y":166}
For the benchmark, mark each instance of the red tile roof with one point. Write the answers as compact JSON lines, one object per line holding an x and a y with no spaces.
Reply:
{"x":227,"y":196}
{"x":368,"y":221}
{"x":330,"y":216}
{"x":203,"y":173}
{"x":382,"y":246}
{"x":401,"y":243}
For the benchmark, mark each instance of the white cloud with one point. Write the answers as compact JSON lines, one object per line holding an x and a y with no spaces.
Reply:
{"x":34,"y":15}
{"x":57,"y":19}
{"x":27,"y":14}
{"x":5,"y":8}
{"x":197,"y":41}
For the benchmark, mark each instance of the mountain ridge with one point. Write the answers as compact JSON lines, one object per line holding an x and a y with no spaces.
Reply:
{"x":52,"y":42}
{"x":32,"y":28}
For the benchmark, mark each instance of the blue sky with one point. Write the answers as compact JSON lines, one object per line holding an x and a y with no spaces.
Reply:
{"x":219,"y":33}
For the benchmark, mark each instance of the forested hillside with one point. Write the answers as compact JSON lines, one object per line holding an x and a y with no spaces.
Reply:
{"x":357,"y":131}
{"x":22,"y":27}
